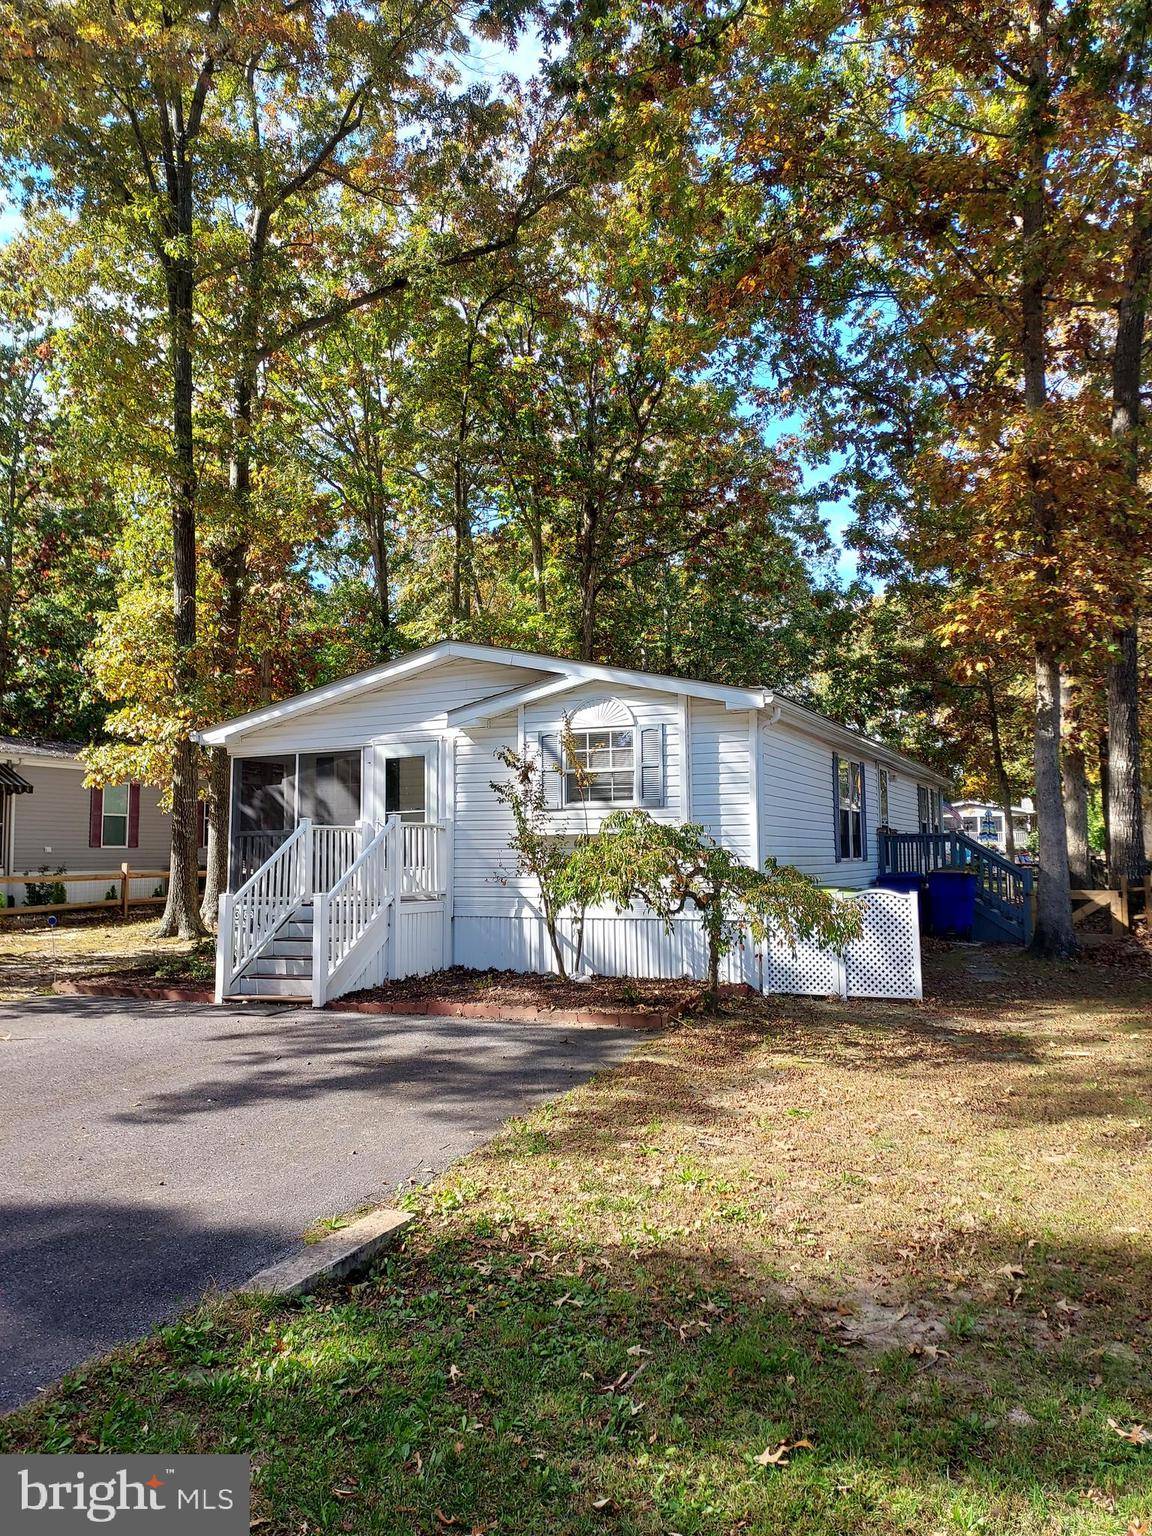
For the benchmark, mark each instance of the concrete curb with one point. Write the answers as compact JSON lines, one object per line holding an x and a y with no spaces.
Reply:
{"x":334,"y":1257}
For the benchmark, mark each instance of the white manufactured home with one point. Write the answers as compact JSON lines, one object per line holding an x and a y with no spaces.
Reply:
{"x":367,"y":841}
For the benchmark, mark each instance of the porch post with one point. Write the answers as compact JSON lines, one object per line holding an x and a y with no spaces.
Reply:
{"x":395,"y":869}
{"x":224,"y":946}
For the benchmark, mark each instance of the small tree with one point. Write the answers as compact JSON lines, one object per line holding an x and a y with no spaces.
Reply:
{"x":670,"y":868}
{"x":540,"y":852}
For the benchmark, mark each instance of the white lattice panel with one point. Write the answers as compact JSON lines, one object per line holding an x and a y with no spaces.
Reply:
{"x":806,"y":970}
{"x":885,"y":960}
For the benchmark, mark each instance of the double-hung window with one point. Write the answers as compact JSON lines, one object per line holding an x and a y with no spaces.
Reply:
{"x":883,"y":776}
{"x":114,"y":818}
{"x":850,"y":809}
{"x":600,"y":767}
{"x":929,"y":808}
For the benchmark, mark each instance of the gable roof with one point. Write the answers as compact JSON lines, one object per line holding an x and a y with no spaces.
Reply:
{"x":446,"y":650}
{"x":564,"y":675}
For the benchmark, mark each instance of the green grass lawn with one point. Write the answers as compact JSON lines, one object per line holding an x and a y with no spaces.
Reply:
{"x":813,"y":1268}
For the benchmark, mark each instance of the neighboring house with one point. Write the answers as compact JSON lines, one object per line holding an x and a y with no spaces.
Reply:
{"x":985,"y":822}
{"x":417,"y":740}
{"x":50,"y":821}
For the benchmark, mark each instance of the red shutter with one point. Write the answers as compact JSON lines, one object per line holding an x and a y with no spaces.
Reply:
{"x":95,"y":817}
{"x":133,"y":815}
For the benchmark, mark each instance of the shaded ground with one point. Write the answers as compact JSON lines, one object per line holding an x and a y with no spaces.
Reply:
{"x":151,"y":1151}
{"x":32,"y":955}
{"x":815,"y":1268}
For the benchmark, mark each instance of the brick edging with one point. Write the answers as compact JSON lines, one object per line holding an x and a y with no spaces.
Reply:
{"x":127,"y":987}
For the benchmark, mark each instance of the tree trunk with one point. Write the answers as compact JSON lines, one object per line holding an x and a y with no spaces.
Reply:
{"x":1074,"y":779}
{"x":1003,"y":787}
{"x":381,"y":574}
{"x":181,"y":915}
{"x":1125,"y":790}
{"x":1105,"y":797}
{"x":1054,"y":933}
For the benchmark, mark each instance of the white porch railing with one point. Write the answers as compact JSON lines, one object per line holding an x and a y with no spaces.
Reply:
{"x":334,"y":850}
{"x":250,"y":916}
{"x":423,"y":858}
{"x":355,"y":911}
{"x":353,"y":875}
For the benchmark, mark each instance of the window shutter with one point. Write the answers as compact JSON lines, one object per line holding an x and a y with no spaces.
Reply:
{"x":863,"y":810}
{"x":836,"y":805}
{"x":552,"y":765}
{"x":201,"y":824}
{"x":652,"y":766}
{"x":133,"y":815}
{"x":95,"y":817}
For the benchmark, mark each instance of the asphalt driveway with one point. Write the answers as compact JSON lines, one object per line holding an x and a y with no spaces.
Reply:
{"x":151,"y":1151}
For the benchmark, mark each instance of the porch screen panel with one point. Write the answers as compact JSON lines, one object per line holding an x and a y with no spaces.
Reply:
{"x":264,"y":794}
{"x":330,"y":789}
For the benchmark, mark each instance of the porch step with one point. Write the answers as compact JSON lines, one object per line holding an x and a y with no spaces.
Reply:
{"x":272,"y":986}
{"x":290,"y":949}
{"x":295,"y":929}
{"x":275,"y":964}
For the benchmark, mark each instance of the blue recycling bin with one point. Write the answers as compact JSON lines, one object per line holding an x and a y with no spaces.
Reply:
{"x":952,"y":902}
{"x":911,"y":882}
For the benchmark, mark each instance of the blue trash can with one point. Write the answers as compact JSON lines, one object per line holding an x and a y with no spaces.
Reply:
{"x":952,"y":902}
{"x":909,"y":883}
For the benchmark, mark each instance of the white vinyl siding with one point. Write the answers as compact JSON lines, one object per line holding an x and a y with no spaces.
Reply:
{"x":646,"y":708}
{"x":722,"y":776}
{"x":418,"y":702}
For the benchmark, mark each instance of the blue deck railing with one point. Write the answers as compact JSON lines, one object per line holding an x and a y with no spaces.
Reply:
{"x":1003,"y":889}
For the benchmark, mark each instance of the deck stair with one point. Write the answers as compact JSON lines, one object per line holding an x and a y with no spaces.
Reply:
{"x":1003,"y":889}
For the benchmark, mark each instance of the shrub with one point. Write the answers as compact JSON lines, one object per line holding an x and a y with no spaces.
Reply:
{"x":46,"y":893}
{"x":673,"y":868}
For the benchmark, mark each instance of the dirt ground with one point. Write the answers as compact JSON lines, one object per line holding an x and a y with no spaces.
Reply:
{"x":33,"y":956}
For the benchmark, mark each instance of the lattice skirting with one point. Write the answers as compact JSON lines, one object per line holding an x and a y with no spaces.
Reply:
{"x":883,"y":962}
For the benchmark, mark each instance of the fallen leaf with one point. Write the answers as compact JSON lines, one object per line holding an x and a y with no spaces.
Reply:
{"x":1136,"y":1435}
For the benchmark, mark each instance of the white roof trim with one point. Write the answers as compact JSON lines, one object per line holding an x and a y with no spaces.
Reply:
{"x":498,"y":704}
{"x":579,"y":671}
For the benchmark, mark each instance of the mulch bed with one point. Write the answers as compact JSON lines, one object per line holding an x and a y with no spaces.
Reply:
{"x":532,"y":999}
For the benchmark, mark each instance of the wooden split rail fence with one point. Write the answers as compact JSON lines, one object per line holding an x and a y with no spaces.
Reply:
{"x":121,"y":879}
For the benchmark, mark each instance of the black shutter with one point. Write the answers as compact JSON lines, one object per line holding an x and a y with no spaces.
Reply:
{"x":652,"y":766}
{"x":836,"y":804}
{"x":552,"y":764}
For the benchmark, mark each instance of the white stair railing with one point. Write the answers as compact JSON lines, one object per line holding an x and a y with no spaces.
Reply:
{"x":250,"y":916}
{"x":423,"y":858}
{"x":355,"y":911}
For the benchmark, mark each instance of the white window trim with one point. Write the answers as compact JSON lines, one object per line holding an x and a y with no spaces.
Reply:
{"x":605,"y":806}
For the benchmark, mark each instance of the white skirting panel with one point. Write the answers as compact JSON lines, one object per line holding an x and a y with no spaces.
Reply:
{"x":419,"y":939}
{"x":883,"y":962}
